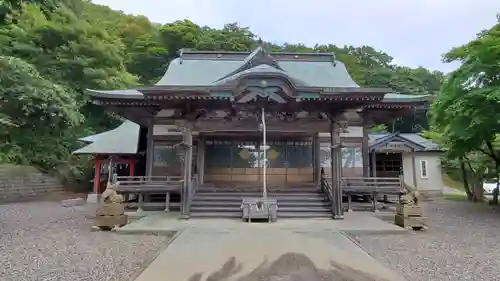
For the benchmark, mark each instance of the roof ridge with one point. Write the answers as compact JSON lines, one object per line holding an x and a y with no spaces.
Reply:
{"x":258,"y":57}
{"x":187,"y":51}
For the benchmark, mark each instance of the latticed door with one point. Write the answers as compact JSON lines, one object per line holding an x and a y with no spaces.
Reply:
{"x":243,"y":161}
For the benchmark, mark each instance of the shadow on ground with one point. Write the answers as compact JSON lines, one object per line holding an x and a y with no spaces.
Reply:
{"x":289,"y":266}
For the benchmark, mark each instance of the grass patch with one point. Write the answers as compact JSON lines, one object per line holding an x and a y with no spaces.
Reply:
{"x":455,"y":197}
{"x":460,"y":197}
{"x":449,"y":182}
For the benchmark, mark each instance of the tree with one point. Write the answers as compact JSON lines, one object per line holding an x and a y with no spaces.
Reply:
{"x":40,"y":109}
{"x":467,"y":109}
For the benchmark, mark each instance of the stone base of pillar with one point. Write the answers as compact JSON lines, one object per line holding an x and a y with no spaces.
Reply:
{"x":93,"y":198}
{"x":338,"y":217}
{"x":184,"y":217}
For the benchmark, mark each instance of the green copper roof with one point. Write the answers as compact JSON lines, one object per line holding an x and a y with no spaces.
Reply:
{"x":262,"y":69}
{"x":395,"y":98}
{"x":92,"y":138}
{"x":122,"y":140}
{"x":204,"y":69}
{"x":204,"y":72}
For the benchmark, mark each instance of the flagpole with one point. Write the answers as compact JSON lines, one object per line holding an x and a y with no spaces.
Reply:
{"x":264,"y":142}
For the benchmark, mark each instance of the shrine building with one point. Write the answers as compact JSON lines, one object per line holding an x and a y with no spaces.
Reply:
{"x":208,"y":113}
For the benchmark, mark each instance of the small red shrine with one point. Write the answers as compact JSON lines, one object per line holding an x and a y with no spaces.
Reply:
{"x":116,"y":150}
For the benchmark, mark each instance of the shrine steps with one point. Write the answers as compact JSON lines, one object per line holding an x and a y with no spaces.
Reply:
{"x":307,"y":202}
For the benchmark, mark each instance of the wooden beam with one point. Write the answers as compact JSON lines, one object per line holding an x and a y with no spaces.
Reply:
{"x":251,"y":124}
{"x":150,"y":150}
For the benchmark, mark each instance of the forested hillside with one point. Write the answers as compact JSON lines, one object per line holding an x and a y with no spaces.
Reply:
{"x":51,"y":50}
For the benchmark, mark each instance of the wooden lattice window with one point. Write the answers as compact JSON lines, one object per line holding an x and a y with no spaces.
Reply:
{"x":165,"y":155}
{"x":423,"y":169}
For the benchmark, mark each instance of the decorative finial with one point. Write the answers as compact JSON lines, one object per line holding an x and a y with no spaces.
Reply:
{"x":334,"y":59}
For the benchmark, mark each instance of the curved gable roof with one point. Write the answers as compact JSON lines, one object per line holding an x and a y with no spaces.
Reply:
{"x":122,"y":140}
{"x":262,"y":69}
{"x":315,"y":70}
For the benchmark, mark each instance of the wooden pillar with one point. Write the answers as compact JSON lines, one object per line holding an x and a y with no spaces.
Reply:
{"x":339,"y":126}
{"x":97,"y":175}
{"x":150,"y":149}
{"x":201,"y":159}
{"x":374,"y":164}
{"x":415,"y":166}
{"x":336,"y":155}
{"x":374,"y":182}
{"x":332,"y":166}
{"x":187,"y":140}
{"x":131,"y":171}
{"x":365,"y":149}
{"x":317,"y":159}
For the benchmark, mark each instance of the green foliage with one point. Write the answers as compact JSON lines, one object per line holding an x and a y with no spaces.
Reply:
{"x":40,"y":109}
{"x":10,"y":9}
{"x":382,"y":128}
{"x":52,"y":50}
{"x":467,"y":111}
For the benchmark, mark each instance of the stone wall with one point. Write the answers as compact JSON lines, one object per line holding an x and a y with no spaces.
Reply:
{"x":25,"y":182}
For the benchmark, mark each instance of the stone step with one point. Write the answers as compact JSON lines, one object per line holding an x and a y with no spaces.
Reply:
{"x":259,"y":190}
{"x":258,"y":185}
{"x":319,"y":203}
{"x":280,"y":215}
{"x":306,"y":209}
{"x":232,"y":214}
{"x":309,"y":198}
{"x":257,"y":194}
{"x":305,"y":214}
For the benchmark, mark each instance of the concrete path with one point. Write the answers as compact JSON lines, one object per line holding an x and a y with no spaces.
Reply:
{"x":354,"y":222}
{"x":264,"y":254}
{"x":230,"y":250}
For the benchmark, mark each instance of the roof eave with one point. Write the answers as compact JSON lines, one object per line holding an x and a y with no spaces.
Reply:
{"x":114,"y":94}
{"x":77,"y":152}
{"x":385,"y":140}
{"x":408,"y":98}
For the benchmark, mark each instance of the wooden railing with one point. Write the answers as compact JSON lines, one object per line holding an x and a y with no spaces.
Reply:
{"x":326,"y":187}
{"x":143,"y":185}
{"x":365,"y":186}
{"x":368,"y":185}
{"x":372,"y":186}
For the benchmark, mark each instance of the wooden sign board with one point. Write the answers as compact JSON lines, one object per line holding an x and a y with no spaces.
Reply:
{"x":395,"y":147}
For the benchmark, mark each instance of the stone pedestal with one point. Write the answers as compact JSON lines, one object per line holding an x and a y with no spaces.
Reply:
{"x":93,"y":198}
{"x":259,"y":208}
{"x":110,"y":215}
{"x":410,"y":216}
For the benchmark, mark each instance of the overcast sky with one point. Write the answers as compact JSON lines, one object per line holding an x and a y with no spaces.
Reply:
{"x":414,"y":32}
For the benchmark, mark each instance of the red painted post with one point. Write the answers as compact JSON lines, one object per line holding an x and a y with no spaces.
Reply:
{"x":97,"y":175}
{"x":132,"y":167}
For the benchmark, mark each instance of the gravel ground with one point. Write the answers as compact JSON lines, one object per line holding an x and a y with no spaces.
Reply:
{"x":463,"y":243}
{"x":45,"y":241}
